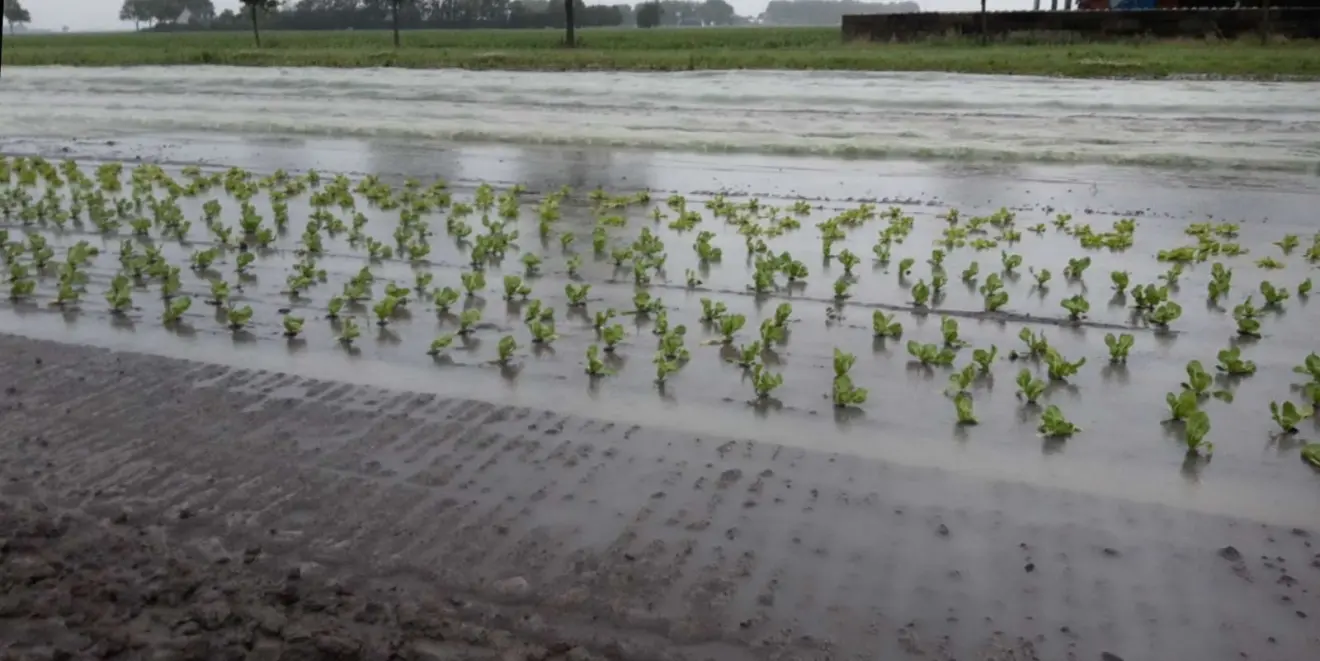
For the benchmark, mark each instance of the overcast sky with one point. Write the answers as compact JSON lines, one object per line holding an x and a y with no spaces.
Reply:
{"x":104,"y":14}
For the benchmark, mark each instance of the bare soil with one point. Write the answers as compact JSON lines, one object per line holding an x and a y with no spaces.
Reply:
{"x":158,"y":508}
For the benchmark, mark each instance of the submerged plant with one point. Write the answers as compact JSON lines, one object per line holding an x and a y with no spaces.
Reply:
{"x":1194,"y":432}
{"x":1181,"y":405}
{"x":712,"y":311}
{"x":764,"y":382}
{"x":730,"y":325}
{"x":1231,"y":363}
{"x":930,"y":354}
{"x":883,"y":325}
{"x":844,"y":392}
{"x":1059,"y":367}
{"x":1054,"y":425}
{"x":962,"y":405}
{"x":1029,"y":387}
{"x":1076,"y":306}
{"x":595,"y":366}
{"x":1287,"y":416}
{"x":439,"y":344}
{"x":292,"y":325}
{"x":1119,"y":346}
{"x":984,"y":358}
{"x":506,"y":347}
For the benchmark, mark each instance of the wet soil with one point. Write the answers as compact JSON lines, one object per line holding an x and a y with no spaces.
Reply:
{"x":158,"y":508}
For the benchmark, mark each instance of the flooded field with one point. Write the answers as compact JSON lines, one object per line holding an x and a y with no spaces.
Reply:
{"x":1174,"y":321}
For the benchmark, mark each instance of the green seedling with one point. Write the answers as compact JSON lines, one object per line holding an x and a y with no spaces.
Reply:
{"x":1247,"y":317}
{"x":772,"y":334}
{"x":883,"y":325}
{"x":920,"y":294}
{"x":844,"y":393}
{"x":1119,"y":346}
{"x":783,"y":314}
{"x":577,"y":294}
{"x":712,"y":311}
{"x":467,"y":321}
{"x":1287,"y":416}
{"x":984,"y":359}
{"x":1198,"y":379}
{"x":473,"y":282}
{"x":120,"y":295}
{"x":292,"y":325}
{"x":949,"y":330}
{"x":1120,"y":280}
{"x":1269,"y":263}
{"x":930,"y":355}
{"x":1029,"y":388}
{"x":1195,"y":429}
{"x":243,"y":261}
{"x":962,"y":406}
{"x":969,"y":274}
{"x":514,"y":287}
{"x":905,"y":266}
{"x":671,"y":344}
{"x":731,"y":324}
{"x":1054,"y":425}
{"x":573,"y":264}
{"x":612,"y":335}
{"x":1059,"y":367}
{"x":1304,"y":289}
{"x":748,"y":354}
{"x":537,"y":311}
{"x":174,"y":311}
{"x":1221,"y":280}
{"x":1288,"y":243}
{"x":238,"y":317}
{"x":1273,"y":295}
{"x":399,"y":294}
{"x":219,"y":293}
{"x":1311,"y":454}
{"x":1310,"y":367}
{"x":1181,"y":405}
{"x":506,"y":347}
{"x":444,"y":298}
{"x":660,"y":325}
{"x":848,"y":260}
{"x":334,"y":306}
{"x":995,"y":300}
{"x":1171,"y":276}
{"x":543,"y":332}
{"x":595,"y":366}
{"x":1037,"y":346}
{"x":1042,"y":277}
{"x":841,"y":288}
{"x":603,"y":317}
{"x":1165,"y":314}
{"x":1231,"y":363}
{"x":439,"y":344}
{"x":764,"y":382}
{"x":1011,"y":261}
{"x":1148,"y":296}
{"x":1076,"y":267}
{"x":961,"y":380}
{"x":1077,"y":307}
{"x":664,"y":367}
{"x":384,"y":309}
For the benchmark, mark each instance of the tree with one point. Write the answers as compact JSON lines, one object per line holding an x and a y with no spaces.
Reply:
{"x":253,"y":6}
{"x":15,"y":13}
{"x":568,"y":23}
{"x":394,"y":18}
{"x":648,"y":14}
{"x":138,"y":11}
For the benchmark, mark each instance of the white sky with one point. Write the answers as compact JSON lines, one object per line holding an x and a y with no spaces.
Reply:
{"x":104,"y":14}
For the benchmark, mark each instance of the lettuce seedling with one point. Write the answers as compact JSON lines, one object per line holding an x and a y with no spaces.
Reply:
{"x":399,"y":294}
{"x":664,"y":367}
{"x":1077,"y":306}
{"x":1076,"y":267}
{"x":1011,"y":261}
{"x":1054,"y":425}
{"x":995,"y":300}
{"x":731,"y":324}
{"x":1120,"y":280}
{"x":764,"y":382}
{"x":1247,"y":317}
{"x":238,"y":317}
{"x":1181,"y":405}
{"x":543,"y":332}
{"x":1273,"y":295}
{"x":1148,"y":296}
{"x":984,"y":359}
{"x":1269,"y":263}
{"x":1119,"y":346}
{"x":661,"y":324}
{"x":1311,"y":454}
{"x":962,"y":405}
{"x":883,"y":325}
{"x":202,"y":259}
{"x":712,"y":311}
{"x":748,"y":353}
{"x":949,"y":329}
{"x":612,"y":335}
{"x":1304,"y":289}
{"x":243,"y":261}
{"x":384,"y":309}
{"x":514,"y":287}
{"x":1059,"y":367}
{"x":1194,"y":432}
{"x":771,"y":333}
{"x":468,"y":320}
{"x":883,"y":250}
{"x":930,"y":354}
{"x":120,"y":295}
{"x":1231,"y":363}
{"x":1042,"y":277}
{"x":536,"y":311}
{"x":1288,"y":243}
{"x":219,"y":293}
{"x":595,"y":366}
{"x":848,"y":260}
{"x":573,"y":263}
{"x":845,"y":394}
{"x":961,"y":380}
{"x":292,"y":325}
{"x":507,"y":346}
{"x":174,"y":311}
{"x":920,"y":294}
{"x":577,"y":294}
{"x":1198,"y":380}
{"x":671,"y":344}
{"x":795,"y":271}
{"x":1037,"y":346}
{"x":905,"y":266}
{"x":1165,"y":314}
{"x":969,"y":273}
{"x":783,"y":313}
{"x":1310,"y":367}
{"x":336,"y":304}
{"x":473,"y":282}
{"x":439,"y":344}
{"x":1287,"y":416}
{"x":643,"y":304}
{"x":444,"y":298}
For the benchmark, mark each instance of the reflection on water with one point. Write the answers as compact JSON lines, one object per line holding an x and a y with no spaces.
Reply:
{"x":1261,"y":126}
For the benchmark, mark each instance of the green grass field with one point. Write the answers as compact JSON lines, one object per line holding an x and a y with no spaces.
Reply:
{"x":667,"y":50}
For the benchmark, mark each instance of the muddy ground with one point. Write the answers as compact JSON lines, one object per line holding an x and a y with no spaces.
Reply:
{"x":157,"y":508}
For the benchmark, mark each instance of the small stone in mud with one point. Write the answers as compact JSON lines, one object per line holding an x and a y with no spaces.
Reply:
{"x":1031,"y":566}
{"x":1107,"y":656}
{"x":943,"y":530}
{"x":1111,"y":552}
{"x":1301,"y":614}
{"x":514,"y":587}
{"x":1230,"y":554}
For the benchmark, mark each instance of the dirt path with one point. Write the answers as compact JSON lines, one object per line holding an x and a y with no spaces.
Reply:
{"x":208,"y":511}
